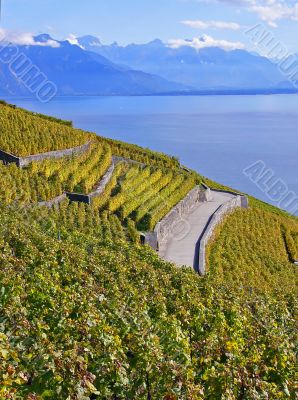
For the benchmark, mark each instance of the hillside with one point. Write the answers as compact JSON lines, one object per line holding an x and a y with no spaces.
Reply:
{"x":89,"y":313}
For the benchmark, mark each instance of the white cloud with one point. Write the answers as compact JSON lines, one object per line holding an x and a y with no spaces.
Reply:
{"x":199,"y":24}
{"x":72,"y":39}
{"x":24,"y":39}
{"x":205,"y":41}
{"x":270,"y":11}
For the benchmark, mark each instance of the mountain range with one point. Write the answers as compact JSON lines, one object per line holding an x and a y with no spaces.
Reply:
{"x":207,"y":68}
{"x":88,"y":67}
{"x":76,"y":71}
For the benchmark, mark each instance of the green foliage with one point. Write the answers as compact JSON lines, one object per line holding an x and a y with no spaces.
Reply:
{"x":132,"y":232}
{"x":146,"y":195}
{"x":83,"y":317}
{"x":101,"y":201}
{"x":291,"y":240}
{"x":93,"y":168}
{"x":47,"y":117}
{"x":131,"y":186}
{"x":142,"y":155}
{"x":87,"y":313}
{"x":165,"y":201}
{"x":249,"y":248}
{"x":150,"y":199}
{"x":23,"y":133}
{"x":47,"y":179}
{"x":143,"y":192}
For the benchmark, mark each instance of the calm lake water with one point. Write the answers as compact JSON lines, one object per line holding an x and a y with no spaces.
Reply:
{"x":218,"y":136}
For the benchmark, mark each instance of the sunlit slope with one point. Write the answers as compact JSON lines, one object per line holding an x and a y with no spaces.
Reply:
{"x":87,"y":317}
{"x":22,"y":133}
{"x":144,"y":192}
{"x":45,"y":180}
{"x":147,"y":194}
{"x":251,"y":249}
{"x":88,"y":313}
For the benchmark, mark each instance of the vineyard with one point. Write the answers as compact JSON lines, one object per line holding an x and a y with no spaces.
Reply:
{"x":47,"y":179}
{"x":23,"y":133}
{"x":86,"y":312}
{"x":290,"y":234}
{"x":66,"y":217}
{"x":136,"y":193}
{"x":145,"y":156}
{"x":250,"y":249}
{"x":146,"y":194}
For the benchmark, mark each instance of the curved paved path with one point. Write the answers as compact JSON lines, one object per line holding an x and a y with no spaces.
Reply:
{"x":183,"y":251}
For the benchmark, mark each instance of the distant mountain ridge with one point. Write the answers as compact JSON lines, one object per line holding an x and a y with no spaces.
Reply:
{"x":208,"y":68}
{"x":76,"y":71}
{"x":87,"y":67}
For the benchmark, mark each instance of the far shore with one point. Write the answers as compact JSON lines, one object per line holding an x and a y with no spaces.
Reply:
{"x":217,"y":92}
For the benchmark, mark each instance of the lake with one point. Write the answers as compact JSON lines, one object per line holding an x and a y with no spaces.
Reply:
{"x":219,"y":136}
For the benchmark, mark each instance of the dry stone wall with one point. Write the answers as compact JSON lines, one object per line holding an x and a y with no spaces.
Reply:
{"x":53,"y":202}
{"x":82,"y":198}
{"x":24,"y":161}
{"x":103,"y":183}
{"x":172,"y":223}
{"x":21,"y":162}
{"x":118,"y":159}
{"x":164,"y":229}
{"x":8,"y":158}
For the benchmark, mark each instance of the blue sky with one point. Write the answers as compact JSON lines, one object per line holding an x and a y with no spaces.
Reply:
{"x":140,"y":21}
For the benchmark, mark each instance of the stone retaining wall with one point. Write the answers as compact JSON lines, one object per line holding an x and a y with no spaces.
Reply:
{"x":174,"y":223}
{"x":168,"y":225}
{"x":118,"y":159}
{"x":99,"y":189}
{"x":244,"y":199}
{"x":205,"y":194}
{"x":54,"y":154}
{"x":8,"y":158}
{"x":79,"y":197}
{"x":21,"y":162}
{"x":225,"y":209}
{"x":53,"y":202}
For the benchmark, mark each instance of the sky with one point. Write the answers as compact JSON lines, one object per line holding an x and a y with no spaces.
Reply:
{"x":219,"y":22}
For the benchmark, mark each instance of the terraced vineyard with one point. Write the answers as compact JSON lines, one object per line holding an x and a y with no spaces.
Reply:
{"x":24,"y":134}
{"x":86,"y":312}
{"x":47,"y":179}
{"x":251,"y":248}
{"x":290,"y":235}
{"x":147,"y":194}
{"x":67,"y":217}
{"x":145,"y":156}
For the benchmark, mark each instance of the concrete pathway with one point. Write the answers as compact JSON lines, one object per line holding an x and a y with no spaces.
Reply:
{"x":183,"y":251}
